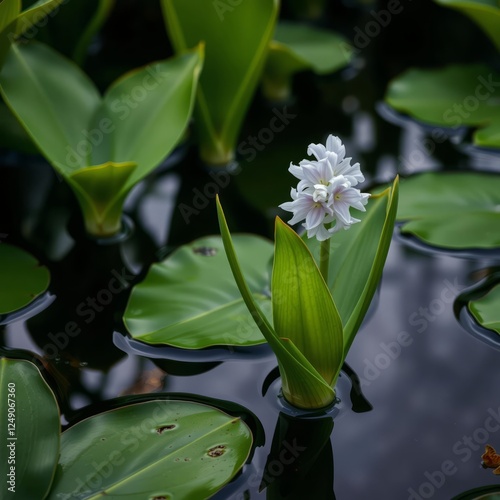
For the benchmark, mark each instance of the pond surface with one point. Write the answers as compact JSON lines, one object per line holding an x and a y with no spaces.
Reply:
{"x":432,"y":386}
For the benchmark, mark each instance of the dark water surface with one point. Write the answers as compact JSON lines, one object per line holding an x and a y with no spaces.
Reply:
{"x":432,"y":386}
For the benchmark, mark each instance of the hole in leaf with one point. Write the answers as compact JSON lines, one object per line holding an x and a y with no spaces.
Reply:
{"x":205,"y":251}
{"x":164,"y":428}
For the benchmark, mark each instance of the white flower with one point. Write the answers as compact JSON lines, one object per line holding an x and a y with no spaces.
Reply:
{"x":334,"y":155}
{"x":325,"y":191}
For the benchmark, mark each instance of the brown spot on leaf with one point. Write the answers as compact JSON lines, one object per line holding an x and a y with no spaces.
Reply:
{"x":216,"y":451}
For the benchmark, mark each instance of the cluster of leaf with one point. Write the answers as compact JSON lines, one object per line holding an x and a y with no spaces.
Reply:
{"x":103,"y":145}
{"x":151,"y":449}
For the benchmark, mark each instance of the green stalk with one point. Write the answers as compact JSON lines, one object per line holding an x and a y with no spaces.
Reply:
{"x":324,"y":259}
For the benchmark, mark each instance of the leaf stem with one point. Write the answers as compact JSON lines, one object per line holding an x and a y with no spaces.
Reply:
{"x":324,"y":259}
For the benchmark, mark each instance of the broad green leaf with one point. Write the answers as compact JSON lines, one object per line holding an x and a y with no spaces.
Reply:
{"x":303,"y":308}
{"x":452,"y":210}
{"x":23,"y":278}
{"x":486,"y":310}
{"x":452,"y":97}
{"x":176,"y":450}
{"x":308,"y":9}
{"x":55,"y":107}
{"x":29,"y":432}
{"x":152,"y":118}
{"x":237,"y":41}
{"x":302,"y":385}
{"x":190,"y":300}
{"x":299,"y":47}
{"x":357,"y":259}
{"x":139,"y":121}
{"x":485,"y":13}
{"x":9,"y":10}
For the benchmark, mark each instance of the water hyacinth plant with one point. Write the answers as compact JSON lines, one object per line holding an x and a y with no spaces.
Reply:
{"x":101,"y":145}
{"x":312,"y":329}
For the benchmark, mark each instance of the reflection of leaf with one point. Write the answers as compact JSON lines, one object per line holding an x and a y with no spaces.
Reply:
{"x":190,"y":300}
{"x":452,"y":210}
{"x":23,"y":278}
{"x":34,"y":430}
{"x":157,"y":449}
{"x":452,"y":97}
{"x":298,"y":47}
{"x":486,"y":310}
{"x":237,"y":40}
{"x":139,"y":120}
{"x":485,"y":13}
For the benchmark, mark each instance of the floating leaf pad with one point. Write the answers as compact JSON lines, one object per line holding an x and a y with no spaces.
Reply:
{"x":30,"y":431}
{"x":191,"y":300}
{"x":455,"y":96}
{"x":452,"y":210}
{"x":486,"y":310}
{"x":159,"y":449}
{"x":23,"y":278}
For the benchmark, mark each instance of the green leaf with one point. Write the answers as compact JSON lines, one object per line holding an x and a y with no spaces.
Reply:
{"x":157,"y":449}
{"x":357,"y":259}
{"x":485,"y":13}
{"x":35,"y":427}
{"x":486,"y":310}
{"x":9,"y":10}
{"x":451,"y":97}
{"x":237,"y":40}
{"x":452,"y":210}
{"x":303,"y":308}
{"x":298,"y":47}
{"x":139,"y":121}
{"x":190,"y":300}
{"x":55,"y":107}
{"x":101,"y":194}
{"x":23,"y":278}
{"x":491,"y":492}
{"x":152,"y":118}
{"x":302,"y":385}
